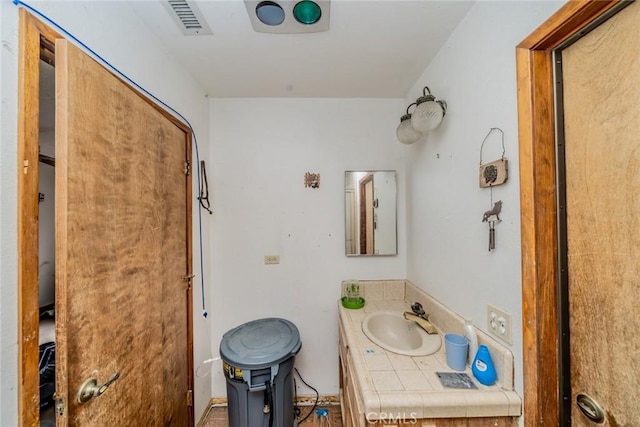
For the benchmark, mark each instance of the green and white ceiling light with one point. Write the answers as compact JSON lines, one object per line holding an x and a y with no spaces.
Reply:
{"x":288,"y":16}
{"x":425,"y":117}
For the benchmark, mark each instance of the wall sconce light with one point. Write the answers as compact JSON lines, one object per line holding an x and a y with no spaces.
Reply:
{"x":406,"y":133}
{"x":428,"y":113}
{"x":427,"y":116}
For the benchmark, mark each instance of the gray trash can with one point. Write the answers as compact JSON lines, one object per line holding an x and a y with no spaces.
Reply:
{"x":258,"y":358}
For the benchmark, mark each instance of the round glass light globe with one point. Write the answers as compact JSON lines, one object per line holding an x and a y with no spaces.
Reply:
{"x":270,"y":13}
{"x":406,"y":133}
{"x":307,"y":12}
{"x":427,"y":116}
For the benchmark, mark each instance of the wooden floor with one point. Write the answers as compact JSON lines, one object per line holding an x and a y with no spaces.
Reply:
{"x":217,"y":417}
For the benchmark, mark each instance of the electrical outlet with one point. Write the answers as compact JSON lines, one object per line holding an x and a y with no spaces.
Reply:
{"x":499,"y":323}
{"x":272,"y":259}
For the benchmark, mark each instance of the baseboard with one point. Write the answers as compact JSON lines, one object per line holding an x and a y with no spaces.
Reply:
{"x":205,"y":415}
{"x":327,"y":400}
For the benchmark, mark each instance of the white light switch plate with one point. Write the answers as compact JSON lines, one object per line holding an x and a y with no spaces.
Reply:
{"x":272,"y":259}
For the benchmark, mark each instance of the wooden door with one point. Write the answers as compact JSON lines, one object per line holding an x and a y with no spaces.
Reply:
{"x":122,"y":251}
{"x":369,"y":216}
{"x":601,"y":84}
{"x":365,"y":186}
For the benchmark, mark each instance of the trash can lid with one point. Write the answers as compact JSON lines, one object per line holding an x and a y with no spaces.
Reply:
{"x":260,"y":343}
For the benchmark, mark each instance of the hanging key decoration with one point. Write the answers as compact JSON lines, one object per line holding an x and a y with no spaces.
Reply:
{"x":492,"y":174}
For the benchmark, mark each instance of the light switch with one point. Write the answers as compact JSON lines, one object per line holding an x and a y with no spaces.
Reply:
{"x":272,"y":259}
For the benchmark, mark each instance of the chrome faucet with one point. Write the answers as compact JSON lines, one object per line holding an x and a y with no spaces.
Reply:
{"x":418,"y":315}
{"x":417,"y":309}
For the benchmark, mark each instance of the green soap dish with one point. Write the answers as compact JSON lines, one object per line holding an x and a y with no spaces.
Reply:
{"x":359,"y":303}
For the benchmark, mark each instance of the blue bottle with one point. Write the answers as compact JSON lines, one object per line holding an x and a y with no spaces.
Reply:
{"x":482,"y":366}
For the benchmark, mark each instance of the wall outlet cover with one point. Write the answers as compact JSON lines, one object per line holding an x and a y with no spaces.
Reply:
{"x":499,"y":323}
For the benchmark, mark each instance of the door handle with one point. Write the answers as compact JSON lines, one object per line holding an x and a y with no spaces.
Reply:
{"x":90,"y":388}
{"x":590,"y":408}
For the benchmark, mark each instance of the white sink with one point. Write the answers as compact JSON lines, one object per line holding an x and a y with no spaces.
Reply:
{"x":391,"y":331}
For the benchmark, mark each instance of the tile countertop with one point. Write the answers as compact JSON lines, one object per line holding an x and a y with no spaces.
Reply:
{"x":408,"y":386}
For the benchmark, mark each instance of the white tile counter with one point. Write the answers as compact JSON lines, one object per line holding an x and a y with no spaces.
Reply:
{"x":406,"y":386}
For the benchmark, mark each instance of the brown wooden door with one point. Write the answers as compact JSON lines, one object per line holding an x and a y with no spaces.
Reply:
{"x":122,"y":250}
{"x":367,"y":244}
{"x":601,"y":83}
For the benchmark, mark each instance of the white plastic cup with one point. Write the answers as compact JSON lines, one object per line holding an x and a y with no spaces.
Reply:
{"x":456,"y":347}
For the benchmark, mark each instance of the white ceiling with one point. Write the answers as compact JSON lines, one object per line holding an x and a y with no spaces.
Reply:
{"x":373,"y":49}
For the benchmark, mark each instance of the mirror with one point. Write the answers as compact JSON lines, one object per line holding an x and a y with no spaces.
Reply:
{"x":370,"y":213}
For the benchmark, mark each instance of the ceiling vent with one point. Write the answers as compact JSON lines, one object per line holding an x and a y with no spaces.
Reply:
{"x":187,"y":17}
{"x":288,"y":16}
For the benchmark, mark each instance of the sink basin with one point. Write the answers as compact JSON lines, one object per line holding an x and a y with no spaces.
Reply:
{"x":391,"y":331}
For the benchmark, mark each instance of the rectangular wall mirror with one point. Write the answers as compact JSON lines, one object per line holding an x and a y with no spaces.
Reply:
{"x":370,"y":213}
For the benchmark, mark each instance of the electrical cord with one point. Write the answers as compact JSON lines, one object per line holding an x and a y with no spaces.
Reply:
{"x":269,"y":399}
{"x":314,"y":403}
{"x":323,"y":417}
{"x":156,"y":99}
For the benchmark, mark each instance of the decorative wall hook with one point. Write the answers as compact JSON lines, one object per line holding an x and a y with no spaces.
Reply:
{"x":311,"y":180}
{"x":495,"y":172}
{"x":203,"y":198}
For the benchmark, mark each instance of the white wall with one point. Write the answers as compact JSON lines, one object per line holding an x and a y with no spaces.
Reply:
{"x":447,"y":241}
{"x":132,"y":49}
{"x":260,"y":151}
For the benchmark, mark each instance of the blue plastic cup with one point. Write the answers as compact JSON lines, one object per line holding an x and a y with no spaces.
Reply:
{"x":456,"y":347}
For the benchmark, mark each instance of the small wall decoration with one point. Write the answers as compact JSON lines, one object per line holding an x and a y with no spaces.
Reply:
{"x":494,"y":211}
{"x":311,"y":180}
{"x":495,"y":172}
{"x":492,"y":174}
{"x":492,"y":216}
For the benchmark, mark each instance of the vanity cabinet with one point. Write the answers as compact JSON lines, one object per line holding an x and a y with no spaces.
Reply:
{"x":358,"y":395}
{"x":350,"y":400}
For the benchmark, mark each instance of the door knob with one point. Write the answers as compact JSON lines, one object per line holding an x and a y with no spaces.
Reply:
{"x":90,"y":388}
